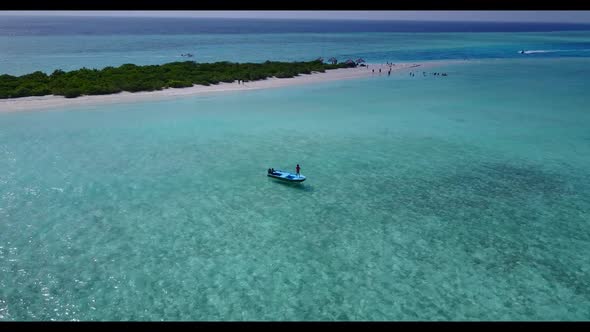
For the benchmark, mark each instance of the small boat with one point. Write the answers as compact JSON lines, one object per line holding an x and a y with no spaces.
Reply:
{"x":286,"y":176}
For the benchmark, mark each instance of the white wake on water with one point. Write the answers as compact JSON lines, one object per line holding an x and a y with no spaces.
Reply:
{"x":553,"y":51}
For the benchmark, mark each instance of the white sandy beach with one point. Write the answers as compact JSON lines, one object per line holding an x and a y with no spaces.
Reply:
{"x":57,"y":102}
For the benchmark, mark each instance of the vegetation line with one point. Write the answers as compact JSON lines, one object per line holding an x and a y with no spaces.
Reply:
{"x":133,"y":78}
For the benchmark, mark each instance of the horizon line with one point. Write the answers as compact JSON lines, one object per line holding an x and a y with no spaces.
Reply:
{"x":296,"y":19}
{"x":565,"y":17}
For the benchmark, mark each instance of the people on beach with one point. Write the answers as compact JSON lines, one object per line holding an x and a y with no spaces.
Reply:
{"x":297,"y":169}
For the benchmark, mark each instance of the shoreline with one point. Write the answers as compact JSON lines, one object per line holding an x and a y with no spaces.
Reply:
{"x":57,"y":102}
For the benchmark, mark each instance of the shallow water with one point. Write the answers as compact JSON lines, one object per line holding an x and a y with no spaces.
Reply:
{"x":463,"y":197}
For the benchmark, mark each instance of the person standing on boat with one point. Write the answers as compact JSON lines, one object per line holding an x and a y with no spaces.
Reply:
{"x":297,"y":169}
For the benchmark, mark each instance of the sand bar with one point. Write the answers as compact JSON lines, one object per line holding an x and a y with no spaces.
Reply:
{"x":58,"y":102}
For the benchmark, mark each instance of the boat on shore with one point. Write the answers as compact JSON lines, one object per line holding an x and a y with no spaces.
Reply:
{"x":285,"y":176}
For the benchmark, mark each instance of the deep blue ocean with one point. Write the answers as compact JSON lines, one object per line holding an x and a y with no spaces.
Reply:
{"x":68,"y":26}
{"x":29,"y":44}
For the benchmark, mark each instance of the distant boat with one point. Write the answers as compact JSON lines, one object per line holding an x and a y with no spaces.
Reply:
{"x":286,"y":176}
{"x":521,"y":52}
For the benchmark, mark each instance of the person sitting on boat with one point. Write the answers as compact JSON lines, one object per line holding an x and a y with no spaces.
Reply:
{"x":270,"y":171}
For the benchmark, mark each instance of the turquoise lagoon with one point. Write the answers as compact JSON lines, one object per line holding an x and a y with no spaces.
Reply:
{"x":464,"y":197}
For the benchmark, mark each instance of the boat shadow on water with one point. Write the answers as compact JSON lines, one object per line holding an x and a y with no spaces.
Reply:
{"x":294,"y":185}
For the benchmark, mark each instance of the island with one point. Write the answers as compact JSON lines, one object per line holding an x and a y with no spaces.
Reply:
{"x":134,"y":78}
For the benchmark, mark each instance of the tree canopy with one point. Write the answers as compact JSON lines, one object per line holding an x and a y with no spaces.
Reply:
{"x":133,"y":78}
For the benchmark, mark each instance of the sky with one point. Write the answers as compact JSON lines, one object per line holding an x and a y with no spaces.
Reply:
{"x":426,"y":15}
